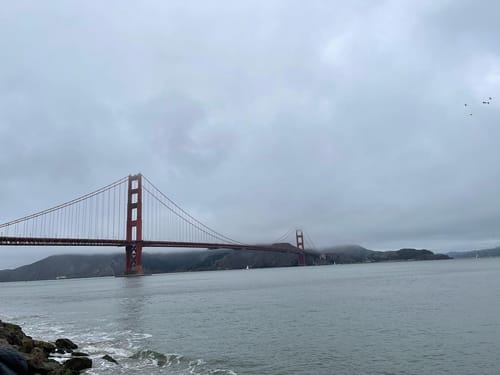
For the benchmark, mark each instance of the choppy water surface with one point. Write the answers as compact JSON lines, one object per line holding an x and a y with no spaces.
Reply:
{"x":438,"y":317}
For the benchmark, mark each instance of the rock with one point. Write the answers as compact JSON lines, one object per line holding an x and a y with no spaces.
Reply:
{"x":109,"y":359}
{"x":79,"y":354}
{"x":47,"y":347}
{"x":66,"y":344}
{"x":21,"y":355}
{"x":12,"y":333}
{"x":77,"y":363}
{"x":13,"y":361}
{"x":43,"y":366}
{"x":4,"y":370}
{"x":27,"y":345}
{"x":36,"y":359}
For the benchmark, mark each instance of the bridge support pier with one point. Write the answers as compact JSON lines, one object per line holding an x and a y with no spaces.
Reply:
{"x":133,"y":260}
{"x":133,"y":250}
{"x":300,"y":245}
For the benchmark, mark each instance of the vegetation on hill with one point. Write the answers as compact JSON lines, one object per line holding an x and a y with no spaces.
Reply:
{"x":358,"y":254}
{"x":95,"y":265}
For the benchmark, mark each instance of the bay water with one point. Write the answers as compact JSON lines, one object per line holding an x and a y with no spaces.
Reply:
{"x":433,"y":317}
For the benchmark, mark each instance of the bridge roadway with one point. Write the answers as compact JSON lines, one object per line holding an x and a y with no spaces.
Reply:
{"x":41,"y":241}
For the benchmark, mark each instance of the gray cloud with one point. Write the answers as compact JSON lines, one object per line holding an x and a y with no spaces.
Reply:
{"x":347,"y":119}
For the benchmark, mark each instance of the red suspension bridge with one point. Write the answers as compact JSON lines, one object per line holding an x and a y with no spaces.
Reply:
{"x":131,"y":213}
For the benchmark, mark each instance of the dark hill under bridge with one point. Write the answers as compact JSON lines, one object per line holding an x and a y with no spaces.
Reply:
{"x":96,"y":265}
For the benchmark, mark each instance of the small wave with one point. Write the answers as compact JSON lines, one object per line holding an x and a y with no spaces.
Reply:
{"x":178,"y":363}
{"x":39,"y":328}
{"x":201,"y":367}
{"x":157,"y":358}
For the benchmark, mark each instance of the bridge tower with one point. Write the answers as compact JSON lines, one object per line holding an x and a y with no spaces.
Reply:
{"x":300,"y":245}
{"x":133,"y":249}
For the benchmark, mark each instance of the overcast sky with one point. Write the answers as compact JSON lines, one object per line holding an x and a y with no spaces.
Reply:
{"x":344,"y":118}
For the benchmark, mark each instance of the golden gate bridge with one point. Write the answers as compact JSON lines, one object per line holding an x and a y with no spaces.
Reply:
{"x":131,"y":213}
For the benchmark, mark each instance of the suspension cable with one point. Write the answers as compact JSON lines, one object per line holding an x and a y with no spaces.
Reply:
{"x":221,"y":238}
{"x":66,"y":204}
{"x":191,"y":217}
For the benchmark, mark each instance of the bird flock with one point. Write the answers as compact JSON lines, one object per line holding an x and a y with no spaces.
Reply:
{"x":486,"y":102}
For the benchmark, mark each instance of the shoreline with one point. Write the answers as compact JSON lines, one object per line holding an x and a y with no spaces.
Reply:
{"x":20,"y":354}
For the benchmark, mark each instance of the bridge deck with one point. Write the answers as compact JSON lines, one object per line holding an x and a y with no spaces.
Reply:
{"x":40,"y":241}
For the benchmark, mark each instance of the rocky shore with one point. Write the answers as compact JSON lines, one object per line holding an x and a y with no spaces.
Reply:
{"x":22,"y":355}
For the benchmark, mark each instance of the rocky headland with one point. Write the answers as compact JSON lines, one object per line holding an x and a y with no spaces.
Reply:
{"x":22,"y":355}
{"x":95,"y":265}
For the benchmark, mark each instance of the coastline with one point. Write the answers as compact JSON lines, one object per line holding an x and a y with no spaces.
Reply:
{"x":20,"y":354}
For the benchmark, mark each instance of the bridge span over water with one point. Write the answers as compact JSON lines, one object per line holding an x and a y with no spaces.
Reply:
{"x":131,"y":213}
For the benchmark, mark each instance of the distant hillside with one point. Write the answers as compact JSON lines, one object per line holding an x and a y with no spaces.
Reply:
{"x":494,"y":252}
{"x":66,"y":265}
{"x":358,"y":254}
{"x":75,"y":266}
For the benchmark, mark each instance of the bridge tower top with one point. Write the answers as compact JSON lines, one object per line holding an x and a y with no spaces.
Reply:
{"x":299,"y":236}
{"x":133,"y":259}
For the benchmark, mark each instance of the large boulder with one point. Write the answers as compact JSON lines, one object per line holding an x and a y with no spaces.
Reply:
{"x":11,"y":361}
{"x":28,"y":345}
{"x":66,"y":344}
{"x":78,"y":363}
{"x":21,"y":355}
{"x":37,"y":360}
{"x":4,"y":370}
{"x":12,"y":333}
{"x":47,"y":347}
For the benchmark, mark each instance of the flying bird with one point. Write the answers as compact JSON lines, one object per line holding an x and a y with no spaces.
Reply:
{"x":465,"y":105}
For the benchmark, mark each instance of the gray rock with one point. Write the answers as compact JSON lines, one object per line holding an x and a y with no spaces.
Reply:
{"x":4,"y":370}
{"x":12,"y":360}
{"x":36,"y":360}
{"x":21,"y":355}
{"x":77,"y":363}
{"x":12,"y":333}
{"x":109,"y":359}
{"x":66,"y":344}
{"x":47,"y":347}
